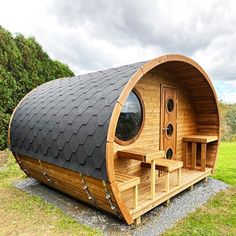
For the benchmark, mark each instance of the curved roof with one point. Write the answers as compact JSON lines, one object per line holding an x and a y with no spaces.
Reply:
{"x":65,"y":121}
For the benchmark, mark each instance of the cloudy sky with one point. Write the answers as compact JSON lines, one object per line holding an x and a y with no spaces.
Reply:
{"x":98,"y":34}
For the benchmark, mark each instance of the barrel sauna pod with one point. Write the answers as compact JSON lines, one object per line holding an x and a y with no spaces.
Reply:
{"x":124,"y":139}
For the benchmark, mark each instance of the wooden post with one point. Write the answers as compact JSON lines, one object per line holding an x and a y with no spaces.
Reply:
{"x":194,"y":153}
{"x":179,"y":176}
{"x":190,"y":188}
{"x":167,"y":182}
{"x":185,"y":153}
{"x":137,"y":221}
{"x":203,"y":156}
{"x":135,"y":197}
{"x":167,"y":203}
{"x":153,"y":179}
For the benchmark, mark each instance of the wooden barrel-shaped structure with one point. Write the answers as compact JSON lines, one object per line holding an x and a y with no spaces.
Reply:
{"x":115,"y":138}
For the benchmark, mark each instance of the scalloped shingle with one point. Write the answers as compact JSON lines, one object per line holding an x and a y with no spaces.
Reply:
{"x":64,"y":122}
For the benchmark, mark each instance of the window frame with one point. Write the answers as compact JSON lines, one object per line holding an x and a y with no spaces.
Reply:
{"x":170,"y":98}
{"x":128,"y":142}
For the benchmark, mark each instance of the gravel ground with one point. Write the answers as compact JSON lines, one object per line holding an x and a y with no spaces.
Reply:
{"x":155,"y":222}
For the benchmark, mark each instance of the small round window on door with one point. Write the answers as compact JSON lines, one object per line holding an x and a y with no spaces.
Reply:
{"x":170,"y":105}
{"x":170,"y":129}
{"x":169,"y":153}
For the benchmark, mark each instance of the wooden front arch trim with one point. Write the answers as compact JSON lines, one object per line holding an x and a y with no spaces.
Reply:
{"x":118,"y":107}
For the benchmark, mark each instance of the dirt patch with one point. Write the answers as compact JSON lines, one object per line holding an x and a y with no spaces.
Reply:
{"x":3,"y":159}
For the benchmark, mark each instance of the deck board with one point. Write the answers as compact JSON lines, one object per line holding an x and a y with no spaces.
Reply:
{"x":189,"y":177}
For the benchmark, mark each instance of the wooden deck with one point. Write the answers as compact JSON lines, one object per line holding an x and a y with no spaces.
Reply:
{"x":145,"y":203}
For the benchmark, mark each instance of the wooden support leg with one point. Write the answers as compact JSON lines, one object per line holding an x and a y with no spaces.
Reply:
{"x":179,"y":176}
{"x":190,"y":188}
{"x":167,"y":183}
{"x":203,"y":156}
{"x":194,"y":154}
{"x":167,"y":203}
{"x":153,"y":179}
{"x":185,"y":154}
{"x":135,"y":197}
{"x":206,"y":180}
{"x":137,"y":221}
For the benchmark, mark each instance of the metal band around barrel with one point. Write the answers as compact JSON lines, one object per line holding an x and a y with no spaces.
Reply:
{"x":108,"y":197}
{"x":22,"y":166}
{"x":86,"y":189}
{"x":45,"y":172}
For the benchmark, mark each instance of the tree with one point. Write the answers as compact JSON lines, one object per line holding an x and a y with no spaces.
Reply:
{"x":23,"y":66}
{"x":230,"y":120}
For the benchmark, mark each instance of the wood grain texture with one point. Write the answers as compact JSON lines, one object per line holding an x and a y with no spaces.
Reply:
{"x":149,"y":88}
{"x":168,"y":118}
{"x":145,"y":203}
{"x":193,"y":157}
{"x":203,"y":156}
{"x":165,"y":165}
{"x":126,"y":181}
{"x":200,"y":138}
{"x":153,"y":179}
{"x":71,"y":183}
{"x":189,"y":75}
{"x":141,"y":154}
{"x":197,"y":111}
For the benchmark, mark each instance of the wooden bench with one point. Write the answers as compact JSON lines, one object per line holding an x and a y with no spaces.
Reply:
{"x":125,"y":182}
{"x":167,"y":166}
{"x":144,"y":155}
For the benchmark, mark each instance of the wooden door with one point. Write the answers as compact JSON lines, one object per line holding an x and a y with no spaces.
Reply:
{"x":169,"y":101}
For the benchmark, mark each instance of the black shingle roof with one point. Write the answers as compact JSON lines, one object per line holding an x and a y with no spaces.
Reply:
{"x":65,"y":122}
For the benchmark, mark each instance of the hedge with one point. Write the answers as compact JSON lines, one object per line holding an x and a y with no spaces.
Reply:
{"x":23,"y":66}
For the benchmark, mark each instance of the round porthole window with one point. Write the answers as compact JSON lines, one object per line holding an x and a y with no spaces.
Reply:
{"x":169,"y":153}
{"x":170,"y":105}
{"x":170,"y":129}
{"x":130,"y":120}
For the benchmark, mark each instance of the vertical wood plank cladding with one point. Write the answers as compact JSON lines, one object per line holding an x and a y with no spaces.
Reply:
{"x":149,"y":88}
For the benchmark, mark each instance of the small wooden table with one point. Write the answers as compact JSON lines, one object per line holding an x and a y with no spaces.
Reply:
{"x":194,"y":139}
{"x":144,"y":155}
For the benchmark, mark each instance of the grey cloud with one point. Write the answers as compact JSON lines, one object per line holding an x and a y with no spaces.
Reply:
{"x":202,"y":30}
{"x":98,"y":34}
{"x":75,"y":51}
{"x":147,"y":22}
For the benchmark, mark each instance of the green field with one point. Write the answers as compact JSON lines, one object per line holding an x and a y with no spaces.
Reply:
{"x":226,"y":163}
{"x":22,"y":213}
{"x":218,"y":216}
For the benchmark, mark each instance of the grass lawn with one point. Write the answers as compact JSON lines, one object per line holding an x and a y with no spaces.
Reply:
{"x":218,"y":216}
{"x":226,"y":163}
{"x":24,"y":214}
